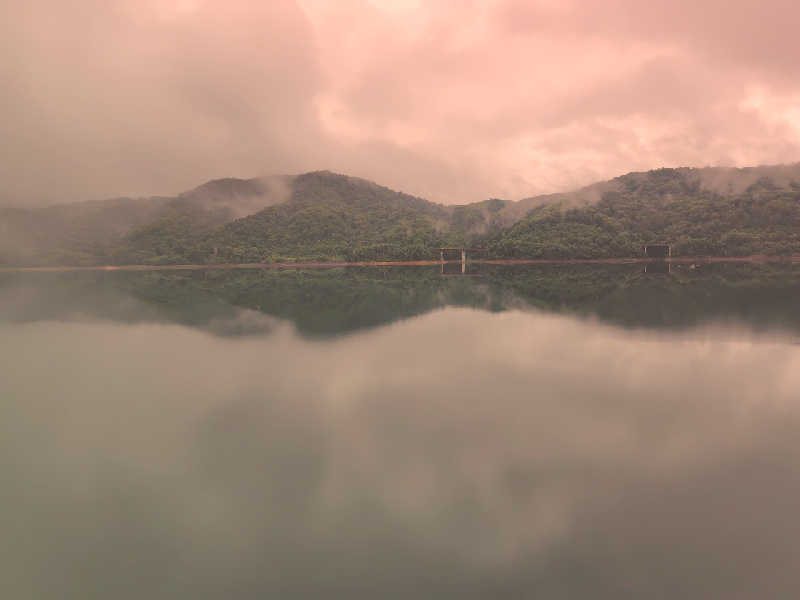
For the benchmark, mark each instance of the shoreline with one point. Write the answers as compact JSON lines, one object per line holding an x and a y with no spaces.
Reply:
{"x":755,"y":259}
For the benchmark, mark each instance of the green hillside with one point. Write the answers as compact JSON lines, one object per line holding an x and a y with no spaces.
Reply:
{"x":331,"y":216}
{"x":325,"y":216}
{"x":673,"y":205}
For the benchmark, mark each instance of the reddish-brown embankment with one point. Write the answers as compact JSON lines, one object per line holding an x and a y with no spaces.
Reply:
{"x":756,"y":259}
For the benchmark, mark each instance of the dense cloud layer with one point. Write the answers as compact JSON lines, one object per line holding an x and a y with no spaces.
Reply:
{"x":453,"y":100}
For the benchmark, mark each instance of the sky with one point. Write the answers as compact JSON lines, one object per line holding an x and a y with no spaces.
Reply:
{"x":452,"y":100}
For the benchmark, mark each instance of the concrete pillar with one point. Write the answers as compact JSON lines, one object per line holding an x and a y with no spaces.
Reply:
{"x":463,"y":261}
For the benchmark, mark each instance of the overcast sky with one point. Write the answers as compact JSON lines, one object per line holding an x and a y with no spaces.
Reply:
{"x":454,"y":100}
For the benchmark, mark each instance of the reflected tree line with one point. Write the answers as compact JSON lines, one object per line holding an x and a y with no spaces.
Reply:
{"x":327,"y":302}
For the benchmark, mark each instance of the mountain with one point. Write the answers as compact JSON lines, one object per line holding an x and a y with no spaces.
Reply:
{"x":331,"y":216}
{"x":315,"y":216}
{"x":327,"y":216}
{"x":125,"y":230}
{"x":74,"y":234}
{"x":179,"y":232}
{"x":705,"y":212}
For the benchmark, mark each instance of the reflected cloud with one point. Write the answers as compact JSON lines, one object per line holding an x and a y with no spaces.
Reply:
{"x":459,"y":454}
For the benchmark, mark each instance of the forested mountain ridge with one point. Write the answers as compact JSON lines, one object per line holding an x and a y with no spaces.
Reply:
{"x":327,"y":216}
{"x":122,"y":230}
{"x":339,"y":217}
{"x":319,"y":215}
{"x":698,"y":211}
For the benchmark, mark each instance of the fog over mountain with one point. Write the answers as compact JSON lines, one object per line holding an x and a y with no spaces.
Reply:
{"x":452,"y":100}
{"x":326,"y":216}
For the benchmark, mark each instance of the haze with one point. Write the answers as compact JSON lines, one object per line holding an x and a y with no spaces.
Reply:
{"x":453,"y":100}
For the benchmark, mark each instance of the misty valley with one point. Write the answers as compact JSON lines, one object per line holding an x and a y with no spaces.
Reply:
{"x":556,"y":431}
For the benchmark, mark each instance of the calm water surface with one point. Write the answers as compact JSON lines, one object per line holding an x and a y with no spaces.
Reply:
{"x":543,"y":432}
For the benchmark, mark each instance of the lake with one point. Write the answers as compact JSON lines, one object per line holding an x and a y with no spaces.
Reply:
{"x":550,"y":431}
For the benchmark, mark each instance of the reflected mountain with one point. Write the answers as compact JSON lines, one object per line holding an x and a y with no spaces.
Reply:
{"x":329,"y":302}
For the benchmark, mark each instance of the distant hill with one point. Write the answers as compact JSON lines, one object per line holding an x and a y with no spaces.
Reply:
{"x":72,"y":234}
{"x":128,"y":230}
{"x":715,"y":212}
{"x":179,"y":232}
{"x":334,"y":216}
{"x":328,"y":216}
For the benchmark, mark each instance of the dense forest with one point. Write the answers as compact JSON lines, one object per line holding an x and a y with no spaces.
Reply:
{"x":664,"y":205}
{"x":323,"y":216}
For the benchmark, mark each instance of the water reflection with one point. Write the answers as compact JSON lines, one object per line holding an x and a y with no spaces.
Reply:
{"x":463,"y":454}
{"x":196,"y":436}
{"x":658,"y":267}
{"x":322,"y":303}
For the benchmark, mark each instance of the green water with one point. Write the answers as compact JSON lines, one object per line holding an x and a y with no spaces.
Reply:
{"x":518,"y":432}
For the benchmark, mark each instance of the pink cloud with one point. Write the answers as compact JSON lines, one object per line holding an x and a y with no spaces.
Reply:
{"x":449,"y":99}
